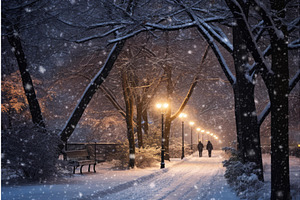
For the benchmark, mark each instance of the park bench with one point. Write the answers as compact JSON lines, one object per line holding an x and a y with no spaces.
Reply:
{"x":80,"y":158}
{"x":79,"y":154}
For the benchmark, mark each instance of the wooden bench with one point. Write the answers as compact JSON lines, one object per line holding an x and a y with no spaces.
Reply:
{"x":81,"y":158}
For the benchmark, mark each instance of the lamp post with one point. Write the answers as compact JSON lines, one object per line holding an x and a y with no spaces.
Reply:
{"x":191,"y":124}
{"x":182,"y":116}
{"x":198,"y":129}
{"x":202,"y":131}
{"x":207,"y":135}
{"x":162,"y":108}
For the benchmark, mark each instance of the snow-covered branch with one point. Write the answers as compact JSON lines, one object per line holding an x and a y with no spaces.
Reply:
{"x":90,"y":91}
{"x":99,"y":35}
{"x":258,"y":56}
{"x":231,"y":78}
{"x":294,"y":44}
{"x":267,"y":109}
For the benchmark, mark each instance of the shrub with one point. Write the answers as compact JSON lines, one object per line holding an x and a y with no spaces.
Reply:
{"x":30,"y":152}
{"x":144,"y":157}
{"x":242,"y":177}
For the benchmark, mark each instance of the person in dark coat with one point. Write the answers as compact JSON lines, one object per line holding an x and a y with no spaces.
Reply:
{"x":200,"y":148}
{"x":209,"y":147}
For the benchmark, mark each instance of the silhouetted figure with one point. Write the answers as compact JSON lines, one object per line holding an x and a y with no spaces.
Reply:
{"x":200,"y":148}
{"x":209,"y":147}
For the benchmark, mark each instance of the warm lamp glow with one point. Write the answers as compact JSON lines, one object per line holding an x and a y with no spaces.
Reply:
{"x":198,"y":129}
{"x":202,"y":131}
{"x":192,"y":123}
{"x":182,"y":115}
{"x":166,"y":105}
{"x":207,"y":132}
{"x":158,"y":105}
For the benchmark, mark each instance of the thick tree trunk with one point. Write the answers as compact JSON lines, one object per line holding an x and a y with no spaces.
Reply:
{"x":90,"y":91}
{"x":248,"y":134}
{"x":34,"y":107}
{"x":278,"y":93}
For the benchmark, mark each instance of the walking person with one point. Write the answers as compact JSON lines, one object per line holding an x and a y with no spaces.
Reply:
{"x":200,"y":148}
{"x":209,"y":147}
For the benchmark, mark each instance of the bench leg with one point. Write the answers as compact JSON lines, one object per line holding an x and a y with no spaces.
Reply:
{"x":95,"y":168}
{"x":81,"y":169}
{"x":89,"y":168}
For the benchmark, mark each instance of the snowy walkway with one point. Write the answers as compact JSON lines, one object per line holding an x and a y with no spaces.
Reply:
{"x":190,"y":178}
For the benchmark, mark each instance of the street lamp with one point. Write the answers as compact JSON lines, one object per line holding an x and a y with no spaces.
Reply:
{"x":207,"y":135}
{"x":198,"y":129}
{"x":202,"y":131}
{"x":182,"y":116}
{"x":163,"y":108}
{"x":191,"y":124}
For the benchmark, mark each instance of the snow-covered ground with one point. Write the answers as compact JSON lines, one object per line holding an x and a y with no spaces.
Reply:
{"x":190,"y":178}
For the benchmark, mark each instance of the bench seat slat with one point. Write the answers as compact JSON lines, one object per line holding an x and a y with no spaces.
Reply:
{"x":80,"y":158}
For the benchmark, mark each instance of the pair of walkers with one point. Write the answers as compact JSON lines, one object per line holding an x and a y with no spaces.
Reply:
{"x":209,"y":148}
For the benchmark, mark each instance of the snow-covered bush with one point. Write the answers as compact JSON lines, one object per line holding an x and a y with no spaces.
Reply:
{"x":144,"y":157}
{"x":30,"y":152}
{"x":175,"y":148}
{"x":242,"y":177}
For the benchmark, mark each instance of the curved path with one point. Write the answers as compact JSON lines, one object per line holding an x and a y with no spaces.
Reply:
{"x":191,"y":178}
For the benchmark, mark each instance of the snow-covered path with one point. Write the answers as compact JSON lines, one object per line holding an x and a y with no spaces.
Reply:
{"x":190,"y":178}
{"x":193,"y":178}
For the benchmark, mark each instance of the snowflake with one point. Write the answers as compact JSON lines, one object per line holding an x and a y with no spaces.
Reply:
{"x":132,"y":156}
{"x":190,"y":52}
{"x":152,"y":185}
{"x":42,"y":69}
{"x":28,"y":86}
{"x":80,"y":194}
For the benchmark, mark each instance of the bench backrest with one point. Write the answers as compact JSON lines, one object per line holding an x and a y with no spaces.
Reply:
{"x":77,"y":154}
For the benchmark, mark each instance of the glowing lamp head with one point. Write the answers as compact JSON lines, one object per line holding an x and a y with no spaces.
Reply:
{"x":192,"y":123}
{"x":165,"y":105}
{"x":202,"y":131}
{"x":207,"y":132}
{"x":198,"y":129}
{"x":158,"y":105}
{"x":182,"y":115}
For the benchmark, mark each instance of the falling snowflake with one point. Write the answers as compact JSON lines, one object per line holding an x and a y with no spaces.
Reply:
{"x":80,"y":194}
{"x":152,"y":185}
{"x":132,"y":156}
{"x":42,"y":69}
{"x":28,"y":86}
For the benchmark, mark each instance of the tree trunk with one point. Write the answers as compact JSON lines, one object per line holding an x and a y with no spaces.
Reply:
{"x":129,"y":116}
{"x":90,"y":91}
{"x":145,"y":118}
{"x":248,"y":134}
{"x":34,"y":106}
{"x":139,"y":119}
{"x":278,"y":93}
